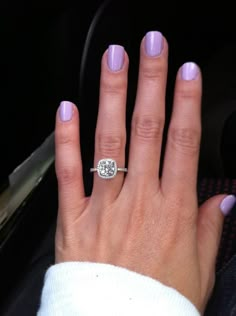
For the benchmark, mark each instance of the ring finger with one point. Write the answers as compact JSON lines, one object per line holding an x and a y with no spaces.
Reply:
{"x":110,"y":138}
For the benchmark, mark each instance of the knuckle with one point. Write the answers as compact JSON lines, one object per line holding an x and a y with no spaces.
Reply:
{"x":185,"y":140}
{"x":65,"y":137}
{"x":110,"y":145}
{"x":113,"y":86}
{"x":187,"y":93}
{"x":153,"y":71}
{"x":67,"y":175}
{"x":148,"y":128}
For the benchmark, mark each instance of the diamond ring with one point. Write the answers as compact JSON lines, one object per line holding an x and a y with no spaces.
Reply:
{"x":107,"y":168}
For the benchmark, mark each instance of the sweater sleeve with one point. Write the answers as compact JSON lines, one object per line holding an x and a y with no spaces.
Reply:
{"x":89,"y":289}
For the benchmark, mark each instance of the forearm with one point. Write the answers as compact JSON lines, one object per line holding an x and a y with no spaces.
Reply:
{"x":81,"y":288}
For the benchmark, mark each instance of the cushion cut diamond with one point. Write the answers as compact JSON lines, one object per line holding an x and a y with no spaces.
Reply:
{"x":107,"y":168}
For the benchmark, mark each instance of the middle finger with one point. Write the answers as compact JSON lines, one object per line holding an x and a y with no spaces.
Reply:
{"x":149,"y":112}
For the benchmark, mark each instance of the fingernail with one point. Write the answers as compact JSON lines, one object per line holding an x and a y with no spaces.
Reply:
{"x":66,"y":111}
{"x":153,"y":43}
{"x":227,"y":204}
{"x":189,"y":71}
{"x":115,"y":58}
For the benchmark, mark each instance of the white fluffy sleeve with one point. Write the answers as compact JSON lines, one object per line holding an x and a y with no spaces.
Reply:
{"x":94,"y":289}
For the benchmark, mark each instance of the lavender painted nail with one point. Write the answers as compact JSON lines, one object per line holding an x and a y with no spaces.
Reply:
{"x":66,"y":111}
{"x":153,"y":43}
{"x":189,"y":71}
{"x":115,"y":58}
{"x":227,"y":204}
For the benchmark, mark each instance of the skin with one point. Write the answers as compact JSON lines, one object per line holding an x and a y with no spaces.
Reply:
{"x":144,"y":223}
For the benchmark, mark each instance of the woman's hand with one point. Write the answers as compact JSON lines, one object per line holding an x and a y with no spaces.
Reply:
{"x":136,"y":220}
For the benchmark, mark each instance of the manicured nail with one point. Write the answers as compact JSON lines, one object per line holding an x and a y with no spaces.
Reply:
{"x":115,"y":58}
{"x":189,"y":71}
{"x":153,"y":43}
{"x":227,"y":204}
{"x":66,"y":111}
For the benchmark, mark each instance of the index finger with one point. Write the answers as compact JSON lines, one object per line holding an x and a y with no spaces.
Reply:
{"x":182,"y":149}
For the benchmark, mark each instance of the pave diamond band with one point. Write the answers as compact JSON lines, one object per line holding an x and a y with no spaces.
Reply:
{"x":107,"y":168}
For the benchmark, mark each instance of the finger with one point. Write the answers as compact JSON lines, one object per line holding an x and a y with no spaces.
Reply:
{"x":68,"y":160}
{"x":110,"y":138}
{"x":184,"y":133}
{"x":210,"y":223}
{"x":149,"y":112}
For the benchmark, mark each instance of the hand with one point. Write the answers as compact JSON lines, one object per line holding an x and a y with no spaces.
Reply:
{"x":136,"y":220}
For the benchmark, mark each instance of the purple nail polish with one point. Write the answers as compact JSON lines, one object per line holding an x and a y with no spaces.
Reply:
{"x":66,"y":111}
{"x":189,"y":71}
{"x":227,"y":204}
{"x":153,"y":43}
{"x":115,"y":58}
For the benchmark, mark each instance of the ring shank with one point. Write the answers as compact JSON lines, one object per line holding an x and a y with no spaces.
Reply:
{"x":118,"y":169}
{"x":122,"y":169}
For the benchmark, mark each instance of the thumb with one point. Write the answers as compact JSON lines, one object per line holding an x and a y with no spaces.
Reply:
{"x":210,"y":224}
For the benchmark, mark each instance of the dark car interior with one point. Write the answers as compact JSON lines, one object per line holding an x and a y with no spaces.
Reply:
{"x":52,"y":54}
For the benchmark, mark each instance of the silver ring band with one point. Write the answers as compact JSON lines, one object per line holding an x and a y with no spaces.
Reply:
{"x":107,"y":168}
{"x":118,"y":169}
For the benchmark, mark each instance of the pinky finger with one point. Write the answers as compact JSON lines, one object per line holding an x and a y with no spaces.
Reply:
{"x":68,"y":161}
